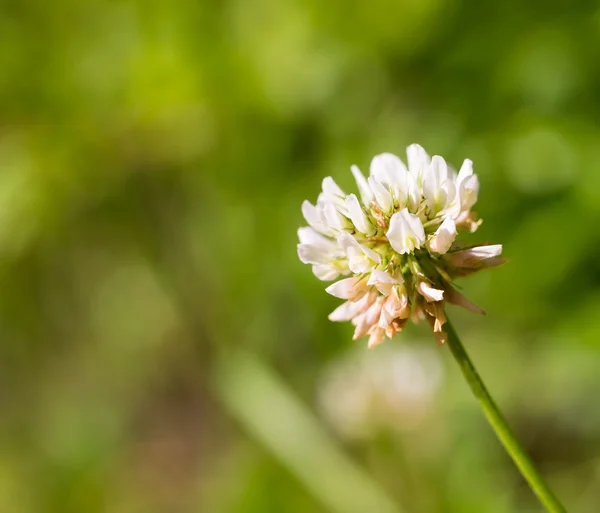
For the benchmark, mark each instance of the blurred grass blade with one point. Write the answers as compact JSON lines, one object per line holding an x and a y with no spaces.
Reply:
{"x":271,"y":412}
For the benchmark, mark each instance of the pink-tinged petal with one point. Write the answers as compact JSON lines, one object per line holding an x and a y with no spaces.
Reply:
{"x":382,"y":277}
{"x":343,"y":289}
{"x":473,"y":256}
{"x":395,"y":309}
{"x":352,"y":288}
{"x":344,"y":312}
{"x":393,"y":302}
{"x":373,"y":312}
{"x":444,"y":237}
{"x":430,"y":293}
{"x":397,"y":304}
{"x":383,"y":281}
{"x":481,"y":266}
{"x":362,"y":327}
{"x":350,"y":309}
{"x":395,"y":327}
{"x":406,"y":232}
{"x":376,"y":337}
{"x":385,"y":319}
{"x":367,"y":320}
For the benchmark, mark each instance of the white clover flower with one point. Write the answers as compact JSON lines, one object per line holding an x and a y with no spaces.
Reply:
{"x":398,"y":245}
{"x":395,"y":388}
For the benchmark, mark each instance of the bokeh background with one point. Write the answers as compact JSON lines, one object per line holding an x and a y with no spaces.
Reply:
{"x":161,"y":347}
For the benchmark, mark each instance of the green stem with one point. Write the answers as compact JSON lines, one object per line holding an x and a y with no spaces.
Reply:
{"x":500,"y":426}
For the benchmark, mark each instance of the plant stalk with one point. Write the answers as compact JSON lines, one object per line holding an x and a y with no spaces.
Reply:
{"x":500,"y":426}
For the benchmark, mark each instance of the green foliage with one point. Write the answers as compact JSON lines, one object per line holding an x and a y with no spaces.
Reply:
{"x":153,"y":159}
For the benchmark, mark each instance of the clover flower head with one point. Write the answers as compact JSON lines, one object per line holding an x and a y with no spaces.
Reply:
{"x":396,"y":246}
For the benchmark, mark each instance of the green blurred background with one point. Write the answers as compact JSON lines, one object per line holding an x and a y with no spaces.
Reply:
{"x":162,"y":348}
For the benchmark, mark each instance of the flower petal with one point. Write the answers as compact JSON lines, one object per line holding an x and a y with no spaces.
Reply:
{"x":345,"y":312}
{"x":330,"y":187}
{"x":334,"y":219}
{"x":309,"y":254}
{"x":349,"y":288}
{"x":326,"y":272}
{"x":315,"y":218}
{"x":333,"y":194}
{"x":434,"y":176}
{"x":311,"y":236}
{"x":413,"y":193}
{"x":358,"y":217}
{"x":383,"y":281}
{"x":352,"y":248}
{"x":443,"y":238}
{"x":439,"y":168}
{"x":473,"y":256}
{"x":385,"y":319}
{"x":406,"y":232}
{"x":418,"y":161}
{"x":350,"y":309}
{"x":468,"y":192}
{"x":363,"y":186}
{"x":435,"y":312}
{"x":382,"y":195}
{"x":343,"y":288}
{"x":391,"y":172}
{"x":397,"y":304}
{"x":376,"y":337}
{"x":449,"y":189}
{"x":382,"y":277}
{"x":466,"y":170}
{"x":367,"y":320}
{"x":430,"y":293}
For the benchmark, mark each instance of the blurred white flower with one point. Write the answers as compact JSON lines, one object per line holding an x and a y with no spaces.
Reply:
{"x":399,"y":244}
{"x":394,"y":388}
